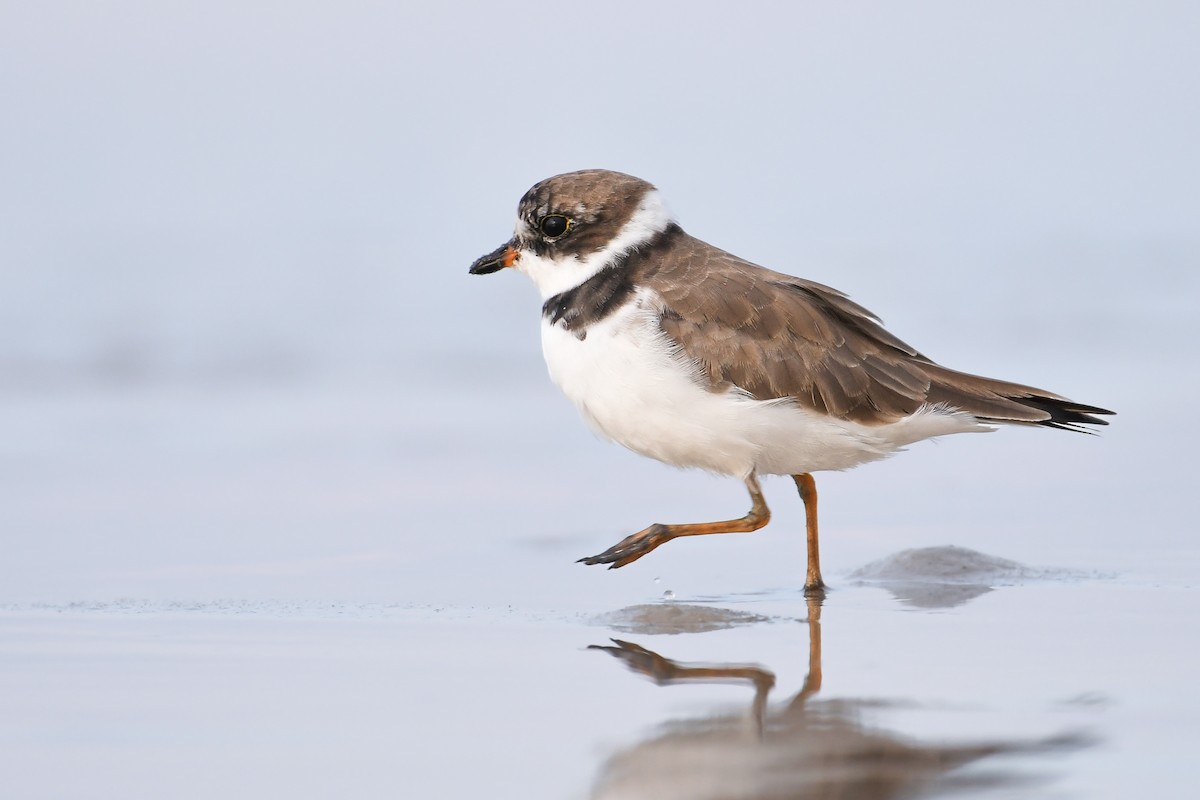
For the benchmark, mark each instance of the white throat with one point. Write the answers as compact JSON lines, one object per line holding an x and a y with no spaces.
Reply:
{"x":554,"y":276}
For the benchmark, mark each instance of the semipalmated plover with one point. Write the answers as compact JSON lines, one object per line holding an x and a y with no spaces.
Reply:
{"x":695,"y":357}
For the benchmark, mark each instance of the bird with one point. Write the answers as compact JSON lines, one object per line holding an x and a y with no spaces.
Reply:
{"x":695,"y":357}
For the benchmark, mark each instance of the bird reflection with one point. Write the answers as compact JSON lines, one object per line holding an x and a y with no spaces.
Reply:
{"x":804,"y":748}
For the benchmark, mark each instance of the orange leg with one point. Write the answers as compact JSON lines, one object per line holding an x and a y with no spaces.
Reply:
{"x":631,"y":548}
{"x":808,"y":493}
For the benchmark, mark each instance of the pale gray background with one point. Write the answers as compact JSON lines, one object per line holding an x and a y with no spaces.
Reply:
{"x":198,"y":191}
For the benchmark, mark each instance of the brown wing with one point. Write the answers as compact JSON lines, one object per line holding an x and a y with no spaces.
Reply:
{"x":775,"y":336}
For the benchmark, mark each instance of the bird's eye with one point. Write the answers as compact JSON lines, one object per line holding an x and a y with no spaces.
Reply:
{"x":554,"y":225}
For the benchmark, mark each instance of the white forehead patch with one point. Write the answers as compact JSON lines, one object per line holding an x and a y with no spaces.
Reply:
{"x":521,"y":228}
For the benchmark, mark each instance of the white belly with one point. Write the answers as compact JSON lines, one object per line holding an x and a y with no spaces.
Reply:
{"x":632,"y":388}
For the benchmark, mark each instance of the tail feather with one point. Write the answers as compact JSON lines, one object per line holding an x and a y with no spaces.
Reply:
{"x":1065,"y":414}
{"x":996,"y":401}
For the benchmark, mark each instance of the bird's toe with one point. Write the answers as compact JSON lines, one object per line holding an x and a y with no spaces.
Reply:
{"x":631,"y":548}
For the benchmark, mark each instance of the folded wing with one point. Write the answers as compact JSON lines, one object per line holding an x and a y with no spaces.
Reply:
{"x":777,"y":336}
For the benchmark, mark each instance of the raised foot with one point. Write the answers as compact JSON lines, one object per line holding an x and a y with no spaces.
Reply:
{"x":631,"y":548}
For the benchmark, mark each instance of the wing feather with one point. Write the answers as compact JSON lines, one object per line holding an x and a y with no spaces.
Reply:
{"x":776,"y":336}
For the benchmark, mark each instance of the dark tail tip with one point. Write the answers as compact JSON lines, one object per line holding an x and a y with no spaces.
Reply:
{"x":1065,"y":414}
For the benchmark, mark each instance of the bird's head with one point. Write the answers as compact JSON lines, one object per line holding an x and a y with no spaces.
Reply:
{"x":571,"y":226}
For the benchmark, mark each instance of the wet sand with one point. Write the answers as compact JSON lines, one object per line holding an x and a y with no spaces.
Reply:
{"x":339,"y":590}
{"x":1058,"y":688}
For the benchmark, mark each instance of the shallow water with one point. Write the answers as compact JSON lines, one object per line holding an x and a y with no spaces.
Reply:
{"x":259,"y":590}
{"x":1055,"y":689}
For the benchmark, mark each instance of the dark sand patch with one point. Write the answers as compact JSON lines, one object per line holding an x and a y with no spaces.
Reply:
{"x":670,"y":618}
{"x":947,"y":576}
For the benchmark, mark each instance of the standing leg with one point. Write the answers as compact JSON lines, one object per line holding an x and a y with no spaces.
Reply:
{"x":808,"y":493}
{"x":631,"y":548}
